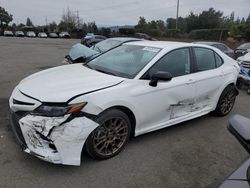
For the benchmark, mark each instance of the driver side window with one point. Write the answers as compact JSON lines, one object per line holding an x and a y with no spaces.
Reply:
{"x":176,"y":62}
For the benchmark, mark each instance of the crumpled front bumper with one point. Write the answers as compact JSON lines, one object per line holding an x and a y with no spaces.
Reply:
{"x":53,"y":139}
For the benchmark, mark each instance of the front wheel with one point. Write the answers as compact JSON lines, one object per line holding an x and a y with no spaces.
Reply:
{"x":226,"y":101}
{"x":108,"y":139}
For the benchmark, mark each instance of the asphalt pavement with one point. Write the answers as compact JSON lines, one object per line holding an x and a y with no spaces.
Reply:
{"x":191,"y":154}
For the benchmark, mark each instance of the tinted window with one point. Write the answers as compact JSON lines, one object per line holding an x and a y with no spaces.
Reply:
{"x":176,"y":62}
{"x":205,"y":59}
{"x":218,"y":59}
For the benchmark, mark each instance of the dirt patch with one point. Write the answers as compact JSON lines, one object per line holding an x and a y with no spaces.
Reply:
{"x":6,"y":162}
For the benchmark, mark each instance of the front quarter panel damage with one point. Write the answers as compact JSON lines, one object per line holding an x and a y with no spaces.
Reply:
{"x":68,"y":137}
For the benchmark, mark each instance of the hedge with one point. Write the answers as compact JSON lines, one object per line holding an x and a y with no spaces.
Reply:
{"x":209,"y":34}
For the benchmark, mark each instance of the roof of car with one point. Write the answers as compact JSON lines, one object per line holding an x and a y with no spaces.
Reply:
{"x":244,"y":45}
{"x":125,"y":39}
{"x":167,"y":44}
{"x":160,"y":44}
{"x":207,"y":42}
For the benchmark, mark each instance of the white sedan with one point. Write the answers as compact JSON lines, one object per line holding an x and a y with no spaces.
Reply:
{"x":133,"y":89}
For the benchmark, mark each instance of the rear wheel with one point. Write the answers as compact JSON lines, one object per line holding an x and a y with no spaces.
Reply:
{"x":108,"y":139}
{"x":226,"y":101}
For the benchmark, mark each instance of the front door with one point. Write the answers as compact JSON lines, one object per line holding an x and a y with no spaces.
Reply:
{"x":169,"y":100}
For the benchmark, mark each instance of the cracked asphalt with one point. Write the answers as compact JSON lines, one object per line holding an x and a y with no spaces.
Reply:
{"x":192,"y":154}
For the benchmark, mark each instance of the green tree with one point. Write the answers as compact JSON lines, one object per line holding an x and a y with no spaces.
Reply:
{"x":29,"y":22}
{"x":210,"y":19}
{"x":5,"y":18}
{"x":142,"y":25}
{"x":69,"y":22}
{"x":52,"y":27}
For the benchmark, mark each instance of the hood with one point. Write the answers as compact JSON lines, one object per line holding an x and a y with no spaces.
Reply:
{"x":62,"y":83}
{"x":79,"y":50}
{"x":246,"y":57}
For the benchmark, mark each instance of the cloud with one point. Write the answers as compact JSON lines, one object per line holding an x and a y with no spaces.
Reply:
{"x":117,"y":12}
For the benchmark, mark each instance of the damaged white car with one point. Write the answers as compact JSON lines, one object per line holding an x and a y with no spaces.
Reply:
{"x":133,"y":89}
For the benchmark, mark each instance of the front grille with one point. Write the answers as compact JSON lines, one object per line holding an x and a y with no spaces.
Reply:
{"x":245,"y":64}
{"x":15,"y":117}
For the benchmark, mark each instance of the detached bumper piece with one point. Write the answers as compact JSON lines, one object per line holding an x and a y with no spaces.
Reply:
{"x":53,"y":139}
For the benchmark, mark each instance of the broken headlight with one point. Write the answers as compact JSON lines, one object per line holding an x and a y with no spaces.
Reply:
{"x":56,"y":111}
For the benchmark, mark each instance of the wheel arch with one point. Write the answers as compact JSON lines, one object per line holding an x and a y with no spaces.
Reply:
{"x":233,"y":84}
{"x":130,"y":115}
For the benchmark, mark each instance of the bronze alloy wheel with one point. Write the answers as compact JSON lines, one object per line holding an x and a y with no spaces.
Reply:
{"x":110,"y":136}
{"x":227,"y":102}
{"x":108,"y":139}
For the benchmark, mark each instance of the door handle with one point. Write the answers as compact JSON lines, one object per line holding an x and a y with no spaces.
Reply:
{"x":190,"y":81}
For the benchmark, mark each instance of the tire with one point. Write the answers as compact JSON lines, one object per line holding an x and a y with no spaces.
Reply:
{"x":108,"y":139}
{"x":226,"y":101}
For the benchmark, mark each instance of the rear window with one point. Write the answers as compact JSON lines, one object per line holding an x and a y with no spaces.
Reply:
{"x":218,"y":60}
{"x":205,"y":59}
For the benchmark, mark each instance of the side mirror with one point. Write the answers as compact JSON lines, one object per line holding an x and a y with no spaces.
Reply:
{"x":160,"y":75}
{"x":239,"y":126}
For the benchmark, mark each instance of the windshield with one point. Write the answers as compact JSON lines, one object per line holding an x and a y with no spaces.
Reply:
{"x":124,"y":61}
{"x":106,"y":45}
{"x":245,"y":46}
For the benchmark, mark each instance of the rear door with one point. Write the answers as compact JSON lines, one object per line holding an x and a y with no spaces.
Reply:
{"x":209,"y":77}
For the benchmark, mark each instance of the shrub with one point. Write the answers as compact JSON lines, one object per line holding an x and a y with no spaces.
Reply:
{"x":209,"y":34}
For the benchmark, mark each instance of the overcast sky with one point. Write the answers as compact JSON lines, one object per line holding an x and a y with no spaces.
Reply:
{"x":117,"y":12}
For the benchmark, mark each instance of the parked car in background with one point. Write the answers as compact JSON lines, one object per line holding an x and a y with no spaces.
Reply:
{"x":80,"y":53}
{"x":42,"y":35}
{"x":19,"y":34}
{"x":92,"y":40}
{"x":53,"y":35}
{"x":8,"y":33}
{"x":221,"y":46}
{"x":242,"y":50}
{"x":88,"y":35}
{"x":244,"y":60}
{"x":239,"y":126}
{"x":30,"y":34}
{"x":130,"y":90}
{"x":142,"y":36}
{"x":65,"y":35}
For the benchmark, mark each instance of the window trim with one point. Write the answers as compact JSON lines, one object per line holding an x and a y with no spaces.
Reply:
{"x":195,"y":60}
{"x":222,"y":60}
{"x":145,"y":76}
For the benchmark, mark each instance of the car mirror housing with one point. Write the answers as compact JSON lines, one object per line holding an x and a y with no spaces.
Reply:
{"x":159,"y":76}
{"x":239,"y":126}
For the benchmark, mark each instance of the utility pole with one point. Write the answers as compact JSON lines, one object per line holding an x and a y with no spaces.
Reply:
{"x":78,"y":19}
{"x":46,"y":27}
{"x":177,"y":15}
